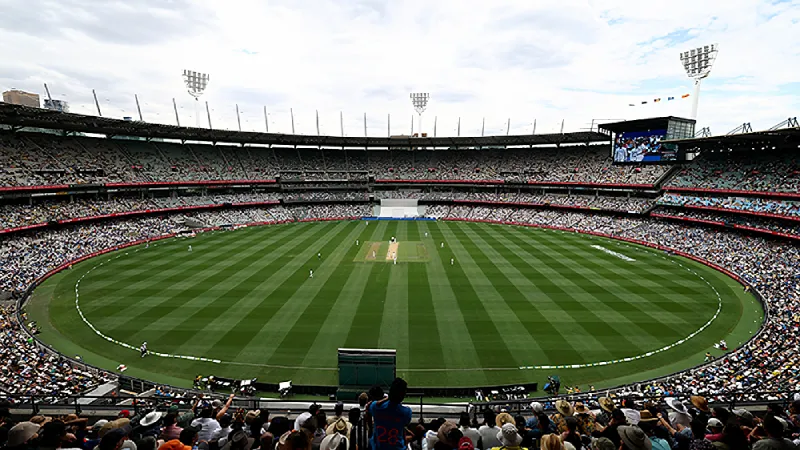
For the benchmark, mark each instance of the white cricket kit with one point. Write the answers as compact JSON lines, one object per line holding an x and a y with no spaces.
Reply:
{"x":310,"y":274}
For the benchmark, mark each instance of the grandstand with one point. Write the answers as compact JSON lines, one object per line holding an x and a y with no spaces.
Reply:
{"x":67,"y":198}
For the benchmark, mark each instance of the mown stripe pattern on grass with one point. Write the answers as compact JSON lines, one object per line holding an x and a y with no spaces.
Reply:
{"x":514,"y":297}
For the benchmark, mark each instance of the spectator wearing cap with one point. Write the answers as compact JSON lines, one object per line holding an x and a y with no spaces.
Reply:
{"x":171,"y":429}
{"x":22,"y":436}
{"x":465,"y":443}
{"x":564,"y":410}
{"x":633,"y":438}
{"x":206,"y":424}
{"x":715,"y":427}
{"x":315,"y":433}
{"x":390,"y":418}
{"x":509,"y":438}
{"x":221,"y":409}
{"x":489,"y":430}
{"x":305,"y":415}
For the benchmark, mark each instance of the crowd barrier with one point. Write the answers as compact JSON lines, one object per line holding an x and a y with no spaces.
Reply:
{"x":727,"y":225}
{"x":790,"y":195}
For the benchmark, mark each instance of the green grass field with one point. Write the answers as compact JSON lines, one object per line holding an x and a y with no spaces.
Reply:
{"x":515,"y":298}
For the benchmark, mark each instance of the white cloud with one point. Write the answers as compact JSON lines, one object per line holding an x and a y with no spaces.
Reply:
{"x":570,"y":59}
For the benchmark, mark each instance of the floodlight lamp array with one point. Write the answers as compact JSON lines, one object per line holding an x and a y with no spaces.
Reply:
{"x":698,"y":61}
{"x":420,"y":101}
{"x":196,"y":82}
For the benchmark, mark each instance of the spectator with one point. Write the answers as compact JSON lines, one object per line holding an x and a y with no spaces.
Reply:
{"x":390,"y":418}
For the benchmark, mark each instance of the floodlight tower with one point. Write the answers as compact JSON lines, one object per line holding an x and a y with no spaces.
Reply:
{"x":420,"y":101}
{"x":196,"y":83}
{"x":698,"y":62}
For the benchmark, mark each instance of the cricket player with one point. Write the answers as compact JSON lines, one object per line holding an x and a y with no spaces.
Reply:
{"x":143,"y":349}
{"x":451,"y":261}
{"x":319,"y":255}
{"x":442,"y":246}
{"x":190,"y":248}
{"x":356,"y":242}
{"x":310,"y":274}
{"x":373,"y":254}
{"x":426,"y":234}
{"x":395,"y":259}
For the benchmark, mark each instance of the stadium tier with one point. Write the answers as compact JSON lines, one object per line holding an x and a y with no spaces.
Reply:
{"x":67,"y":198}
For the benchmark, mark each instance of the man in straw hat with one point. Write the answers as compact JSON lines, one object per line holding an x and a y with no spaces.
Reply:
{"x":606,"y":407}
{"x":586,"y":420}
{"x":564,"y":410}
{"x":648,"y":424}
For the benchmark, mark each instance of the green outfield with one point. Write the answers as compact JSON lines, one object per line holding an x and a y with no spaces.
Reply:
{"x":514,"y":303}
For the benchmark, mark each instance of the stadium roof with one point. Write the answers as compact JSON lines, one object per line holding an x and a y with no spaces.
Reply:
{"x":786,"y":137}
{"x":21,"y":116}
{"x":651,"y":123}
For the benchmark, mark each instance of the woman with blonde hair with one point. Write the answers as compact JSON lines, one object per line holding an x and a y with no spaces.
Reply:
{"x":551,"y":442}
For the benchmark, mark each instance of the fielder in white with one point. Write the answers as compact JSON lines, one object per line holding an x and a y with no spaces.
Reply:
{"x":442,"y":245}
{"x":451,"y":261}
{"x":190,"y":248}
{"x":310,"y":274}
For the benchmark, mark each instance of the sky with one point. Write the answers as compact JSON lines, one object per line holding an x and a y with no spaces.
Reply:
{"x":548,"y":62}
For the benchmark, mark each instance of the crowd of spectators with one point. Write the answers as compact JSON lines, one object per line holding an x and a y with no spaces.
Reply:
{"x":759,"y":205}
{"x":16,"y":215}
{"x":742,"y":171}
{"x":34,"y":160}
{"x":27,"y":369}
{"x":628,"y":204}
{"x":761,"y":223}
{"x":768,"y":363}
{"x":604,"y":423}
{"x":326,"y":196}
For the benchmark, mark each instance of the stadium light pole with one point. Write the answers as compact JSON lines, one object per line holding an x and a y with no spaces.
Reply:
{"x":420,"y":102}
{"x":458,"y":130}
{"x":291,"y":113}
{"x":208,"y":113}
{"x":138,"y":108}
{"x":483,"y":126}
{"x":238,"y":119}
{"x":266,"y":119}
{"x":196,"y":83}
{"x":698,"y":63}
{"x":97,"y":104}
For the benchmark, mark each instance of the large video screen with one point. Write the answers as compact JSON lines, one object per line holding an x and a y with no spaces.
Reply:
{"x":642,"y":146}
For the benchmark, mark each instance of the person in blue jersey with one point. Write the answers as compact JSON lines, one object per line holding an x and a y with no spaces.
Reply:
{"x":390,"y":418}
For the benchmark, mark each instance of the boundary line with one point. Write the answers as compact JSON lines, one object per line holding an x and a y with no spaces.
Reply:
{"x":467,"y":369}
